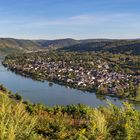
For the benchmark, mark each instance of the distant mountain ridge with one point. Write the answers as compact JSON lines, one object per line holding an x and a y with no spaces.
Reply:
{"x":9,"y":45}
{"x":115,"y":46}
{"x":58,"y":43}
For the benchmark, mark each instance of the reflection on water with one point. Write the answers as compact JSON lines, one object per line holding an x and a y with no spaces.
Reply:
{"x":49,"y":93}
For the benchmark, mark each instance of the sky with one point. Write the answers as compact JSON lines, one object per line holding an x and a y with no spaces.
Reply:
{"x":79,"y":19}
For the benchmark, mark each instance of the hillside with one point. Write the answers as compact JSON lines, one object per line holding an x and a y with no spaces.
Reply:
{"x":9,"y":45}
{"x":25,"y":121}
{"x":57,"y":43}
{"x":115,"y":46}
{"x":68,"y":42}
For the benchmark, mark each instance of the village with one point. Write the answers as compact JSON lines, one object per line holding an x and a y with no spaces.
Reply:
{"x":98,"y":77}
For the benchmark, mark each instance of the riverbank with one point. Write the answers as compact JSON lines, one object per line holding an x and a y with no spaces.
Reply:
{"x":87,"y":89}
{"x":93,"y":90}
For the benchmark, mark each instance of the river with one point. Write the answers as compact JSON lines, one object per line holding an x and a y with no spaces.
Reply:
{"x":42,"y":92}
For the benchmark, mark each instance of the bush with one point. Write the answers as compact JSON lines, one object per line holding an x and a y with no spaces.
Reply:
{"x":2,"y":88}
{"x":18,"y":97}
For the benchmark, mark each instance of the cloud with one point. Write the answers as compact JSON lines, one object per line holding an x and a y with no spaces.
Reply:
{"x":69,"y":21}
{"x":103,"y":25}
{"x":119,"y":19}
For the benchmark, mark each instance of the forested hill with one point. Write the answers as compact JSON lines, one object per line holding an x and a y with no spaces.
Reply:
{"x":115,"y":46}
{"x":9,"y":45}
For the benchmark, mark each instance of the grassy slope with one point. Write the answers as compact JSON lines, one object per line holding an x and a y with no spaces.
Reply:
{"x":8,"y":45}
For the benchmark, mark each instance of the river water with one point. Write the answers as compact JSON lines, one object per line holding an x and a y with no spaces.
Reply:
{"x":42,"y":92}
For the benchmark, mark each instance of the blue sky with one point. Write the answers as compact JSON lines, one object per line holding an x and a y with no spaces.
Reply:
{"x":79,"y":19}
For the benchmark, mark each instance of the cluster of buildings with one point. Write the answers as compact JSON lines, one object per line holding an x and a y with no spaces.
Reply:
{"x":75,"y":75}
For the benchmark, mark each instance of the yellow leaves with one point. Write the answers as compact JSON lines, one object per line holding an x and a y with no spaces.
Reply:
{"x":15,"y":122}
{"x":11,"y":133}
{"x":126,"y":125}
{"x":98,"y":125}
{"x":83,"y":131}
{"x":100,"y":121}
